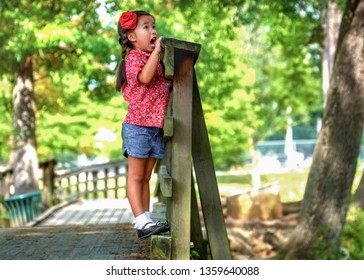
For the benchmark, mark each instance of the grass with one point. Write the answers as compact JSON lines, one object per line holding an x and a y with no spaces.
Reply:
{"x":353,"y":233}
{"x":292,"y":184}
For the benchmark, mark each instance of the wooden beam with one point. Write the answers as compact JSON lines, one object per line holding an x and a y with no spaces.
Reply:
{"x":168,"y":126}
{"x":196,"y":231}
{"x":168,"y":61}
{"x":165,"y":181}
{"x":207,"y":183}
{"x":193,"y":48}
{"x":160,"y":248}
{"x":181,"y":155}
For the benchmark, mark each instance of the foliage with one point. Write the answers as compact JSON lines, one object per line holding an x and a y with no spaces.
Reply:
{"x":91,"y":128}
{"x":284,"y":40}
{"x":63,"y":37}
{"x":5,"y":120}
{"x":66,"y":39}
{"x":253,"y":65}
{"x":353,"y":233}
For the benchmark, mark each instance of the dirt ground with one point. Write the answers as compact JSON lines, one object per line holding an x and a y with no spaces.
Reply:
{"x":256,"y":240}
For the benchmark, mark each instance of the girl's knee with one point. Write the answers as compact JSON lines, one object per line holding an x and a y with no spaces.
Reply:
{"x":146,"y":179}
{"x":138,"y":178}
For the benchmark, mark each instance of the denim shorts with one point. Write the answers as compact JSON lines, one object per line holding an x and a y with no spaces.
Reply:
{"x":142,"y":141}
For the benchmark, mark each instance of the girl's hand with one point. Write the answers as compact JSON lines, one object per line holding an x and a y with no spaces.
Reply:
{"x":158,"y":47}
{"x":148,"y":71}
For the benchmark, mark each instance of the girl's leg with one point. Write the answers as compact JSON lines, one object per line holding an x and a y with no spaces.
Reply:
{"x":146,"y":188}
{"x":136,"y":171}
{"x":138,"y":190}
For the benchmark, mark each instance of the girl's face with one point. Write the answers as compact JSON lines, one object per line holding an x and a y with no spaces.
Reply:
{"x":143,"y":37}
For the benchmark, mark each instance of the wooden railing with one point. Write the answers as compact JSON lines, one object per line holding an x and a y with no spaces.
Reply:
{"x":106,"y":180}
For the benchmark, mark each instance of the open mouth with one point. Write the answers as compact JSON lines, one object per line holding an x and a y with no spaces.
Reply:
{"x":152,"y":42}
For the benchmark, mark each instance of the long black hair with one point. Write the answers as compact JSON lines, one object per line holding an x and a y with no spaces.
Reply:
{"x":125,"y":46}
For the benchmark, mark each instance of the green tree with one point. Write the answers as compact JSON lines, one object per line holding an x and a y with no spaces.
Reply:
{"x":5,"y":120}
{"x":44,"y":40}
{"x":284,"y":41}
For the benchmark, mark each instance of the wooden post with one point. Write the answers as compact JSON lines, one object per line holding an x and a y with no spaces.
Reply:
{"x":106,"y":182}
{"x":181,"y":154}
{"x":94,"y":183}
{"x":196,"y":232}
{"x":48,"y":169}
{"x":116,"y":181}
{"x":181,"y":135}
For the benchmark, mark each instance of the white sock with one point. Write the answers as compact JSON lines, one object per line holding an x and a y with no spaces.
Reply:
{"x":140,"y":221}
{"x":148,"y":215}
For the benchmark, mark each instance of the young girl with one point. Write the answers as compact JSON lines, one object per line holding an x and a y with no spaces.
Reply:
{"x":140,"y":77}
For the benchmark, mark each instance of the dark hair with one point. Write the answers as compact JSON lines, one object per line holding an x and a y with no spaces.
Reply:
{"x":125,"y":46}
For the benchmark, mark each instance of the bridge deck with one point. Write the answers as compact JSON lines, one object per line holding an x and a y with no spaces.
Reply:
{"x":90,"y":212}
{"x":98,"y":230}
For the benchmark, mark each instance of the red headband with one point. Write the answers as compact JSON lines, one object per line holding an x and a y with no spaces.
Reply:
{"x":128,"y":20}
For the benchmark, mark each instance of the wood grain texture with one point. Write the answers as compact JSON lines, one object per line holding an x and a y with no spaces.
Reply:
{"x":207,"y":183}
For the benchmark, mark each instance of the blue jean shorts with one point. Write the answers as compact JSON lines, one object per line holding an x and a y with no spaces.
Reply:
{"x":142,"y":141}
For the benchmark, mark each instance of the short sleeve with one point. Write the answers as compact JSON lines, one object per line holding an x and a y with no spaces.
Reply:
{"x":134,"y":65}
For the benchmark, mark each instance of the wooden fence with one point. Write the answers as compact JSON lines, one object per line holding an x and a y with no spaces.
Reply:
{"x":106,"y":180}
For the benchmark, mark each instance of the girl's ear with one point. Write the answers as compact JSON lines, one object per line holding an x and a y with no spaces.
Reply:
{"x":131,"y":37}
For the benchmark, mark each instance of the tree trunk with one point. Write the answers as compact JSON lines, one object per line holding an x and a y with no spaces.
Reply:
{"x":326,"y":199}
{"x":25,"y":160}
{"x":359,"y":194}
{"x":331,"y":24}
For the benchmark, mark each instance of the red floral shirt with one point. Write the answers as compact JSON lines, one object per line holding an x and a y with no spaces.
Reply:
{"x":147,"y":102}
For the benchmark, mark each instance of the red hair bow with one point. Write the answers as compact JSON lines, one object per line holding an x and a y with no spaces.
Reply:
{"x":128,"y":20}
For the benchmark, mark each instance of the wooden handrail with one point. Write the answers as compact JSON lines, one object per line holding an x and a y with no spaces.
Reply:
{"x":86,"y":182}
{"x":62,"y":186}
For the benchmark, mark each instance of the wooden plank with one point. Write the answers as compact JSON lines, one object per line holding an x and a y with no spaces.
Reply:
{"x":207,"y":183}
{"x":117,"y":216}
{"x":165,"y":181}
{"x":181,"y":155}
{"x":167,"y":161}
{"x":160,"y":248}
{"x":196,"y":230}
{"x":92,"y":242}
{"x":168,"y":127}
{"x":168,"y":61}
{"x":192,"y":48}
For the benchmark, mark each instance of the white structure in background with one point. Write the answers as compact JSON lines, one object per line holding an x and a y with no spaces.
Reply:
{"x":104,"y":134}
{"x":256,"y":178}
{"x":294,"y":158}
{"x":269,"y":165}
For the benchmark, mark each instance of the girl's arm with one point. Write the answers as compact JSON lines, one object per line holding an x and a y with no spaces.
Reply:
{"x":147,"y":73}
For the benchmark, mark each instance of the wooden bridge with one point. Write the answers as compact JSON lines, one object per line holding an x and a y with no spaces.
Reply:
{"x":87,"y":224}
{"x":83,"y":229}
{"x":105,"y":233}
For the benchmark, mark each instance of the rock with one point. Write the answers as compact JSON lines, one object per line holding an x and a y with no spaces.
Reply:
{"x":261,"y":204}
